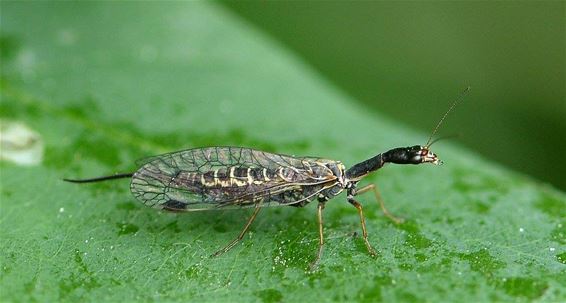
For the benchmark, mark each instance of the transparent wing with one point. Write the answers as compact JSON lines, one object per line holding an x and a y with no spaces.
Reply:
{"x":221,"y":177}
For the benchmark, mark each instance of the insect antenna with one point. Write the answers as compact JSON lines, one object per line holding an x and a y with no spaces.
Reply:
{"x":103,"y":178}
{"x":443,"y":138}
{"x":430,"y":141}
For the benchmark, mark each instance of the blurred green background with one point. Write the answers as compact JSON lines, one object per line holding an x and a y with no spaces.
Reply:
{"x":512,"y":54}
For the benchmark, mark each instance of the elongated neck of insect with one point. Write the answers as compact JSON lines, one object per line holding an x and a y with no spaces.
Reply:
{"x":360,"y":170}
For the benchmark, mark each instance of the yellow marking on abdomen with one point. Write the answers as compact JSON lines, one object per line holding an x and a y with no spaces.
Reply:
{"x":234,"y":179}
{"x":265,"y":177}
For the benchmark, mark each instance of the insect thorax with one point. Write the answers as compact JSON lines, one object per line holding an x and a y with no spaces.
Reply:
{"x":335,"y":188}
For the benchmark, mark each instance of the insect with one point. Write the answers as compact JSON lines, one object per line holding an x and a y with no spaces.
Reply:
{"x":236,"y":177}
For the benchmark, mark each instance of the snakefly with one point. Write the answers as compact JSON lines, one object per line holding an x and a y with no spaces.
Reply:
{"x":236,"y":177}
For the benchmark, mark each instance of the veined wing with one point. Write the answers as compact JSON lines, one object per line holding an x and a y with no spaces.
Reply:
{"x":220,"y":177}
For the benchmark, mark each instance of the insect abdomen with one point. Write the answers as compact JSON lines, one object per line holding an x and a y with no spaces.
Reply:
{"x":231,"y":177}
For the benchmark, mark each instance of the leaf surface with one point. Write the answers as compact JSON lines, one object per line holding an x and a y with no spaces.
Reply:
{"x":104,"y":84}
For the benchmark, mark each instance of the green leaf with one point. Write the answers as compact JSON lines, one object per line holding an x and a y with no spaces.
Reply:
{"x":103,"y":84}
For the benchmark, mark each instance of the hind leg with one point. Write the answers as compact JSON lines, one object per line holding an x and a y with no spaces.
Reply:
{"x":241,"y":235}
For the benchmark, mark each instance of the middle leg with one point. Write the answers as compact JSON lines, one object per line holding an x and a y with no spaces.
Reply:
{"x":320,"y":207}
{"x":379,"y":199}
{"x":358,"y":206}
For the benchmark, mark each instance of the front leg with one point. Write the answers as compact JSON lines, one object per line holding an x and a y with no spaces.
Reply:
{"x":358,"y":206}
{"x":378,"y":197}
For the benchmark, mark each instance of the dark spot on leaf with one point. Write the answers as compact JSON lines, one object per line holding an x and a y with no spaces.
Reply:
{"x":481,"y":261}
{"x":79,"y":261}
{"x":7,"y":193}
{"x":552,"y":205}
{"x":454,"y":220}
{"x":30,"y":286}
{"x":126,"y":206}
{"x":405,"y":266}
{"x":126,"y":228}
{"x":6,"y":269}
{"x":17,"y":110}
{"x":317,"y":278}
{"x":414,"y":238}
{"x":220,"y":228}
{"x":479,"y":207}
{"x":194,"y":271}
{"x":561,"y":258}
{"x":524,"y":287}
{"x":417,"y":241}
{"x":85,"y":109}
{"x":373,"y":292}
{"x":269,"y":295}
{"x":360,"y":246}
{"x":404,"y":296}
{"x":402,"y":256}
{"x":421,"y":258}
{"x":79,"y":279}
{"x":9,"y":46}
{"x":173,"y":227}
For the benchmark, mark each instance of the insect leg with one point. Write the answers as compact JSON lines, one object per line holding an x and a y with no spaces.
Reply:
{"x":242,"y":233}
{"x":314,"y":264}
{"x":378,"y":197}
{"x":358,"y":206}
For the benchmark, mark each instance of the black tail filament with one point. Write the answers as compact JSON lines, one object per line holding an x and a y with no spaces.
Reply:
{"x":103,"y":178}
